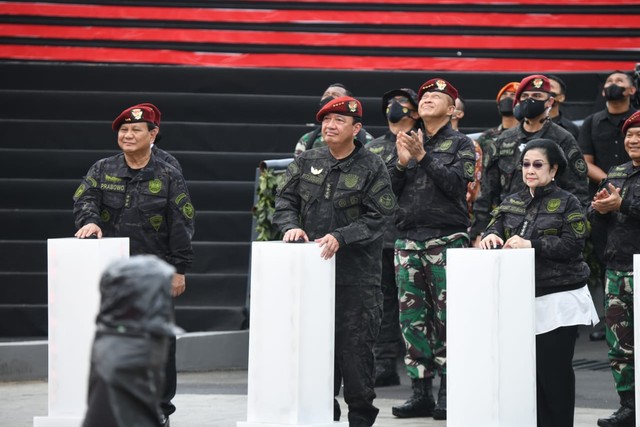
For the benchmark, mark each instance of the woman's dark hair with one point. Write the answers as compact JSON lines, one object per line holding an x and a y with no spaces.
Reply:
{"x":554,"y":153}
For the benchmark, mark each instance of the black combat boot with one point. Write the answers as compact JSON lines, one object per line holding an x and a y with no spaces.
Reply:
{"x":625,"y":416}
{"x":387,"y":373}
{"x":440,"y":412}
{"x":421,"y":404}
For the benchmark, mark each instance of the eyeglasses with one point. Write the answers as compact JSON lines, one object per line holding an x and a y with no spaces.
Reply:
{"x":537,"y":164}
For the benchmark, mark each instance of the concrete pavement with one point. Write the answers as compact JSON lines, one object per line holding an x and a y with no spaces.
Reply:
{"x":218,"y":398}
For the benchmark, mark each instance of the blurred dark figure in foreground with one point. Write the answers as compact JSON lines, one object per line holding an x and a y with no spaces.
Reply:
{"x":131,"y":343}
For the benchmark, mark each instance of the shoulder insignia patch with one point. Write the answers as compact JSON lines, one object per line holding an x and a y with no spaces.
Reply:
{"x":188,"y":211}
{"x":469,"y":168}
{"x":387,"y":201}
{"x":578,"y":227}
{"x":581,"y":166}
{"x":79,"y":191}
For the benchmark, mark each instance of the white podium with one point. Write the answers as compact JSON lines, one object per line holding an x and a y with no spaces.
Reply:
{"x":74,"y":270}
{"x":491,"y":370}
{"x":291,"y":337}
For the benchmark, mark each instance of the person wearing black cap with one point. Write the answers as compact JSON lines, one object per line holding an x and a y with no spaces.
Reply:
{"x":400,"y":109}
{"x":314,"y":139}
{"x":616,"y":210}
{"x":551,"y":220}
{"x":340,"y":197}
{"x":429,"y":174}
{"x":137,"y":195}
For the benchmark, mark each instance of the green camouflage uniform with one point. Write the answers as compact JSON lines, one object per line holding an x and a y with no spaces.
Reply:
{"x":623,"y":241}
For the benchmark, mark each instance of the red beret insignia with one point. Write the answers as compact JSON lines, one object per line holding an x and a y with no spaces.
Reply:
{"x":136,"y":113}
{"x":438,"y":85}
{"x":353,"y":106}
{"x":441,"y":84}
{"x":537,"y":83}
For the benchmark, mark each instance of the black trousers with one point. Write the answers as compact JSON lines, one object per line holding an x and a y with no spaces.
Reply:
{"x":555,"y":379}
{"x":170,"y":380}
{"x":389,"y":344}
{"x":358,"y":313}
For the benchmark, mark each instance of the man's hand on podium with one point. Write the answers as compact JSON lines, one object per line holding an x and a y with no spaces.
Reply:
{"x":329,"y":245}
{"x":295,"y":235}
{"x":89,"y":231}
{"x":178,"y":285}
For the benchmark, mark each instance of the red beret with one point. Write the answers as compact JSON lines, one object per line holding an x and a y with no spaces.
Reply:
{"x":509,"y":87}
{"x":138,"y":113}
{"x":632,"y":122}
{"x":344,"y":105}
{"x":535,"y":82}
{"x":438,"y":85}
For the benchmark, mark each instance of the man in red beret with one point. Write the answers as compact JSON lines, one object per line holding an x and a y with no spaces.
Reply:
{"x":137,"y":195}
{"x":340,"y":197}
{"x":482,"y":206}
{"x":616,"y":208}
{"x":429,"y":175}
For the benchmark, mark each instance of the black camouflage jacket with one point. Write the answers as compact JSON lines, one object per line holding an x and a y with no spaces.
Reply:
{"x":503,"y":176}
{"x":622,"y":227}
{"x":151,"y":207}
{"x":432,"y":194}
{"x":555,"y":224}
{"x":350,"y":199}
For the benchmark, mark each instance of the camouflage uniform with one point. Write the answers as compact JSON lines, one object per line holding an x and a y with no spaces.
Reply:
{"x":555,"y":224}
{"x":503,"y":175}
{"x":151,"y":206}
{"x":314,"y":139}
{"x":166,"y":157}
{"x":389,"y":344}
{"x":623,"y":241}
{"x":432,"y":217}
{"x":153,"y":209}
{"x":352,"y":200}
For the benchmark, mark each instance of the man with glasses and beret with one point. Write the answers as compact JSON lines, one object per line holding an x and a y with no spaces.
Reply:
{"x":340,"y":197}
{"x":429,"y":175}
{"x":137,"y":195}
{"x":400,"y":109}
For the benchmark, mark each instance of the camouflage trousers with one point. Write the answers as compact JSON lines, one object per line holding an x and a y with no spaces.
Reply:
{"x":618,"y":308}
{"x":421,"y":278}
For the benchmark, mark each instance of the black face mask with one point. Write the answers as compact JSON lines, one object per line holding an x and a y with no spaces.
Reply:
{"x":613,"y":93}
{"x":396,"y":112}
{"x":325,"y":100}
{"x":505,"y":107}
{"x":531,"y":108}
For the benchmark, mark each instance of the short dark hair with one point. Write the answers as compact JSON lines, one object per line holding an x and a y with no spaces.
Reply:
{"x":346,"y":91}
{"x":561,"y":83}
{"x":627,"y":75}
{"x":551,"y":149}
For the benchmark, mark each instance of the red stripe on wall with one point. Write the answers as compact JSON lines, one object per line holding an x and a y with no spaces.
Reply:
{"x":529,"y":20}
{"x":469,"y":2}
{"x":171,"y":57}
{"x":318,"y":39}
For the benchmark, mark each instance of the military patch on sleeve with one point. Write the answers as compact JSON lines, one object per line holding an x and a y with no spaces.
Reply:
{"x":293,"y":168}
{"x":92,"y":181}
{"x":469,"y":168}
{"x":180,"y":198}
{"x":79,"y":191}
{"x":377,"y":186}
{"x":466,"y":154}
{"x":579,"y":227}
{"x":387,"y":201}
{"x":576,"y":216}
{"x":188,"y":211}
{"x":580,"y":166}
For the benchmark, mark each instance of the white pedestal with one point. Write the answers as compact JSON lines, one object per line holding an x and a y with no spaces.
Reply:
{"x":291,"y":337}
{"x":636,"y":322}
{"x":491,"y":371}
{"x":74,"y":269}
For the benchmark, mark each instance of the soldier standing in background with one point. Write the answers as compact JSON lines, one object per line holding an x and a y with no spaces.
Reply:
{"x":616,"y":209}
{"x":559,"y":94}
{"x":340,"y":197}
{"x":400,"y":108}
{"x":429,"y":176}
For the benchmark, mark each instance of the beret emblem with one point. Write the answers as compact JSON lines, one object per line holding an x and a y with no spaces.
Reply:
{"x":441,"y":84}
{"x":537,"y":83}
{"x":136,"y":113}
{"x":353,"y":106}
